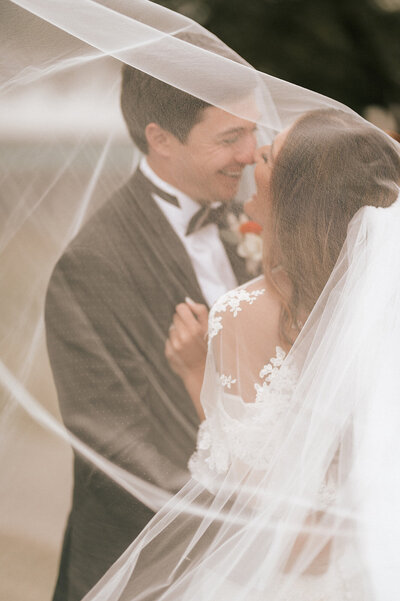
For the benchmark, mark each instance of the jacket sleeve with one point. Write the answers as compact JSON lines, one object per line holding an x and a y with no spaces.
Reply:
{"x":106,"y":393}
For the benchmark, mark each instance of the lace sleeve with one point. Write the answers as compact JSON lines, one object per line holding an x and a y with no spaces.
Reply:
{"x":243,"y":396}
{"x":246,"y":393}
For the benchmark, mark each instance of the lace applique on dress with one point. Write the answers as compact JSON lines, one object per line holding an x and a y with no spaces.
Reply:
{"x":227,"y":381}
{"x":282,"y":385}
{"x":211,"y":450}
{"x":251,"y":438}
{"x":231,"y":300}
{"x":254,"y":437}
{"x":254,"y":434}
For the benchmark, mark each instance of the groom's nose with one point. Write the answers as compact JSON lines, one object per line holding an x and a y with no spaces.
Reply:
{"x":244,"y":153}
{"x":257,"y":154}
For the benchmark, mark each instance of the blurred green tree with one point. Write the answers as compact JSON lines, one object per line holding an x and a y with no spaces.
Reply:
{"x":346,"y":49}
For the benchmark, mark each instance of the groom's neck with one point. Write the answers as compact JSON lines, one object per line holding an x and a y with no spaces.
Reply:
{"x":162,"y":169}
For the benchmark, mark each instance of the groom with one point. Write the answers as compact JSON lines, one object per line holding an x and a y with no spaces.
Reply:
{"x":111,"y":300}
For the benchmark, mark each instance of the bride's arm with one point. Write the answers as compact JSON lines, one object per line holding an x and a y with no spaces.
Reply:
{"x":320,"y":563}
{"x":186,"y":348}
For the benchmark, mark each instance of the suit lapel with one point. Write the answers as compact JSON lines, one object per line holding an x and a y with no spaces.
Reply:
{"x":164,"y":240}
{"x":152,"y":225}
{"x":238,"y":263}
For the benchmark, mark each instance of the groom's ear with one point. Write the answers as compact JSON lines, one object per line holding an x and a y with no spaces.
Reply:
{"x":159,"y":140}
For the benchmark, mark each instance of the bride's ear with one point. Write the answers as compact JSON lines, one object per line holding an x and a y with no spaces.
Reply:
{"x":159,"y":140}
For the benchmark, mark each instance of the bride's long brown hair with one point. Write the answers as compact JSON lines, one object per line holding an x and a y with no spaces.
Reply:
{"x":331,"y":164}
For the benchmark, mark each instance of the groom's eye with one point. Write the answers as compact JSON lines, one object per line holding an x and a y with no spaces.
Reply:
{"x":264,"y":157}
{"x":230,"y":140}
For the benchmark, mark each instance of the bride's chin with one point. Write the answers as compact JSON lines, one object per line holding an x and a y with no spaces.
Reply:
{"x":250,"y":208}
{"x":247,"y":207}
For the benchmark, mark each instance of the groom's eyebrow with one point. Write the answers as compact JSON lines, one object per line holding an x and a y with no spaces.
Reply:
{"x":234,"y":130}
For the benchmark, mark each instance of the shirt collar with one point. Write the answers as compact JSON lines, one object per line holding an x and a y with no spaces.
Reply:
{"x":187,"y":206}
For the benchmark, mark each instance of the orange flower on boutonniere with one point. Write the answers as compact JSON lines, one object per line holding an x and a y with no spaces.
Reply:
{"x":250,"y":227}
{"x":246,"y":234}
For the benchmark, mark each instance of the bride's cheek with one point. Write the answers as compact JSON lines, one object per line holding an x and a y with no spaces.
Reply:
{"x":248,"y":207}
{"x":254,"y":209}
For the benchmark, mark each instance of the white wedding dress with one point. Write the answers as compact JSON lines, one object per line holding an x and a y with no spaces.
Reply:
{"x":245,"y":432}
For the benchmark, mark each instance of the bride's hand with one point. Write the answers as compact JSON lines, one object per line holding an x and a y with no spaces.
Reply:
{"x":186,"y":346}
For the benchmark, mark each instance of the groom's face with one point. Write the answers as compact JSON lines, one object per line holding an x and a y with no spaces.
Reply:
{"x":208,"y":166}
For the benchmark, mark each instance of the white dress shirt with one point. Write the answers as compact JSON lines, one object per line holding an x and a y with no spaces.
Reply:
{"x":204,"y":247}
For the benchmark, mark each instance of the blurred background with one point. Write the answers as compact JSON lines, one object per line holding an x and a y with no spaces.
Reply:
{"x":346,"y":49}
{"x":54,"y":132}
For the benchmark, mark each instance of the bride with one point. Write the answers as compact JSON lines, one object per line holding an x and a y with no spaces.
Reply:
{"x":277,"y":501}
{"x":314,"y":180}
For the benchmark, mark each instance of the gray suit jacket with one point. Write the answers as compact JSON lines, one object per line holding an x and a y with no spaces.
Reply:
{"x":110,"y":302}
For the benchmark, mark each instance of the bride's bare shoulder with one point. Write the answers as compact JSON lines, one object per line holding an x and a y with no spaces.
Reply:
{"x":251,"y":307}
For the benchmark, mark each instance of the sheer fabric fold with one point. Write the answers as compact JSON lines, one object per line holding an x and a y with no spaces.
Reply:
{"x":289,"y":489}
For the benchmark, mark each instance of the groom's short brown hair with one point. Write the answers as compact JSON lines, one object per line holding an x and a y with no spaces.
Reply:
{"x":145,"y":99}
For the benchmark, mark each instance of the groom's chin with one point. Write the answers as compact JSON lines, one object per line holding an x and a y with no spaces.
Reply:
{"x":228,"y":189}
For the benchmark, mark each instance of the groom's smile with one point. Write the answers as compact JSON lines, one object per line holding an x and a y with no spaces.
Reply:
{"x":234,"y":174}
{"x":208,"y":166}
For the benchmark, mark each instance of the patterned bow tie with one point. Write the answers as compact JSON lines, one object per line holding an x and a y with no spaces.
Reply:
{"x":205,"y":216}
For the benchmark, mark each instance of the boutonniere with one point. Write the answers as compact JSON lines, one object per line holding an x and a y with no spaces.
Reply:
{"x":246,"y":235}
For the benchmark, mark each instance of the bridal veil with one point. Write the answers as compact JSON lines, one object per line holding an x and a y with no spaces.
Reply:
{"x":294,"y":482}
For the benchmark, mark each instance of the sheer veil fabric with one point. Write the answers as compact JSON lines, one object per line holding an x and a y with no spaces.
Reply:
{"x":288,"y":490}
